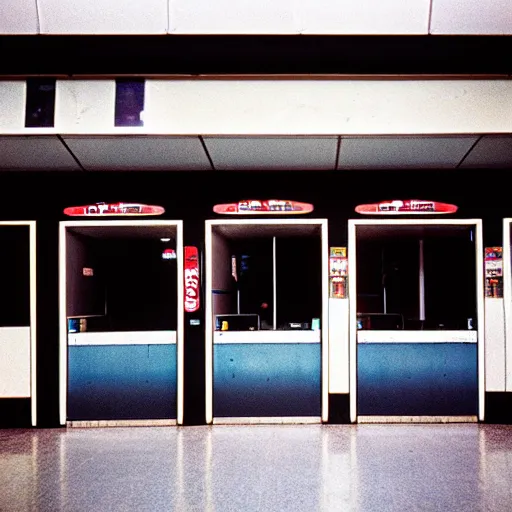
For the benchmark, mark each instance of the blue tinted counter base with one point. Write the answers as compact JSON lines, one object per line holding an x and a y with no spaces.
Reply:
{"x":121,"y":423}
{"x":418,"y":379}
{"x":417,"y":419}
{"x":114,"y":377}
{"x":282,"y":420}
{"x":263,"y":376}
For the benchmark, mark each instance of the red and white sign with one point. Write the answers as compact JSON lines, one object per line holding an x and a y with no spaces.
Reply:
{"x":191,"y":277}
{"x":87,"y":271}
{"x":113,"y":210}
{"x":406,"y":207}
{"x":266,"y":207}
{"x":169,"y":254}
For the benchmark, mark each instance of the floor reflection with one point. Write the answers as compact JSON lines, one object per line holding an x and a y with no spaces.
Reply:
{"x":258,"y":468}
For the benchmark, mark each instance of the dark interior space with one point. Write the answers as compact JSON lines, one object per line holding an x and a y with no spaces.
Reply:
{"x":86,"y":293}
{"x":299,"y":280}
{"x":451,"y":299}
{"x":255,"y":278}
{"x":14,"y":276}
{"x":140,"y":287}
{"x":15,"y":413}
{"x":388,"y":281}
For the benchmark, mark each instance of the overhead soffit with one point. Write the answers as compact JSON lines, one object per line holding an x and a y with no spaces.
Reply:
{"x":171,"y":153}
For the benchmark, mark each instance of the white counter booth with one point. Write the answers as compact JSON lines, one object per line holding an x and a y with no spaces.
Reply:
{"x":18,"y":400}
{"x":416,"y":301}
{"x":121,"y":322}
{"x":266,"y":321}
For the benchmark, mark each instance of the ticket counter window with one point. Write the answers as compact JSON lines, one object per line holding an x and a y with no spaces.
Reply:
{"x":270,"y":283}
{"x":422,"y":280}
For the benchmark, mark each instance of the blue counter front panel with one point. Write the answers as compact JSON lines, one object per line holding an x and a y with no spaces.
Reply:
{"x":417,"y":379}
{"x":122,"y":382}
{"x":266,"y":380}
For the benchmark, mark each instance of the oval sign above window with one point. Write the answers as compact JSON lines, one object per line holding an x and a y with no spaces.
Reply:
{"x":406,"y":207}
{"x":113,"y":210}
{"x":265,"y":207}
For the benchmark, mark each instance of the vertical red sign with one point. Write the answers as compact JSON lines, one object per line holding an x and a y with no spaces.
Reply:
{"x":191,"y":277}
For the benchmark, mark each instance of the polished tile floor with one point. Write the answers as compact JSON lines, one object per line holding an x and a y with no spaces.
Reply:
{"x":457,"y":467}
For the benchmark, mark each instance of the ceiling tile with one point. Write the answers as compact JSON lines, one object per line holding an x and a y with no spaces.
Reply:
{"x":139,"y":153}
{"x":225,"y":17}
{"x":478,"y":17}
{"x":403,"y":152}
{"x":491,"y":151}
{"x":34,"y":153}
{"x":276,"y":153}
{"x":365,"y":17}
{"x":19,"y":17}
{"x":103,"y":17}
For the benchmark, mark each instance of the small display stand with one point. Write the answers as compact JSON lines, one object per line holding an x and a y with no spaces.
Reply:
{"x":338,"y":273}
{"x":494,"y":272}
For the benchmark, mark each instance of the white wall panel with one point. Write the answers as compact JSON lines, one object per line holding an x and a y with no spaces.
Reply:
{"x":103,"y":17}
{"x":281,"y":107}
{"x":494,"y":345}
{"x":365,"y":16}
{"x":229,"y":17}
{"x":15,"y":373}
{"x":493,"y":17}
{"x":12,"y":105}
{"x":338,"y":346}
{"x":85,"y":106}
{"x":351,"y":107}
{"x":18,"y":17}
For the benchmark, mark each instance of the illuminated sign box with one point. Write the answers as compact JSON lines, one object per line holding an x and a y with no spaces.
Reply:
{"x":113,"y":210}
{"x":169,"y":254}
{"x":406,"y":207}
{"x":264,"y":207}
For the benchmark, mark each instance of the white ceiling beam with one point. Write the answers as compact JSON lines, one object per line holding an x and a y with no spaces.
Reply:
{"x":279,"y":107}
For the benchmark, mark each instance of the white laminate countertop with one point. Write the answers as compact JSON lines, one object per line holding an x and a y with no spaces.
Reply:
{"x":364,"y":336}
{"x":264,"y":336}
{"x":123,"y":338}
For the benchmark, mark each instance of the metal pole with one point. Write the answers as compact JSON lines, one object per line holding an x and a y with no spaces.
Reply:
{"x":274,"y":271}
{"x":422,"y":283}
{"x":384,"y":278}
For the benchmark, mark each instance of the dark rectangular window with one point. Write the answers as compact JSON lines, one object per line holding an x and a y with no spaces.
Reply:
{"x":129,"y":102}
{"x":40,"y":103}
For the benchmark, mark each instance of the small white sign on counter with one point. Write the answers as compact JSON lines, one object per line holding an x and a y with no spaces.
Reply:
{"x":123,"y":338}
{"x":264,"y":336}
{"x":365,"y":336}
